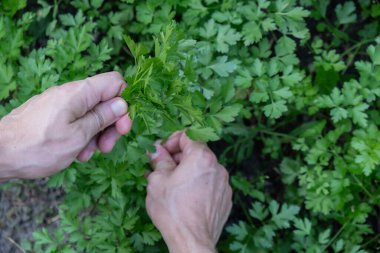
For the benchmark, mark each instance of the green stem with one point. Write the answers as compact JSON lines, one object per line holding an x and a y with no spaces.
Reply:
{"x":362,"y":186}
{"x":352,"y":57}
{"x":358,"y":45}
{"x":335,"y":236}
{"x":374,"y":239}
{"x":276,"y":134}
{"x":242,"y":205}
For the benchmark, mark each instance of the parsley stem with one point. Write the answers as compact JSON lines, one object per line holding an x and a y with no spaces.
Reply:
{"x":264,"y":131}
{"x":242,"y":205}
{"x":335,"y":236}
{"x":358,"y":45}
{"x":351,"y":59}
{"x":362,"y":186}
{"x":374,"y":239}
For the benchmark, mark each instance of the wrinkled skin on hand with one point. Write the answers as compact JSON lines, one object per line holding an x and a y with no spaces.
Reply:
{"x":189,"y":196}
{"x":48,"y":132}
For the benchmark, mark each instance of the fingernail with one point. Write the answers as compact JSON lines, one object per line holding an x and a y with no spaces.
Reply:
{"x":119,"y":107}
{"x":155,"y":154}
{"x":122,"y":88}
{"x":90,"y":155}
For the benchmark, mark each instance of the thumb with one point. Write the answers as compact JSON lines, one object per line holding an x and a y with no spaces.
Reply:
{"x":102,"y":116}
{"x":161,"y":159}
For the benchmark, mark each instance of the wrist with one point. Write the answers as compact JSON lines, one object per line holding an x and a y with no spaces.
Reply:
{"x":7,"y":167}
{"x":185,"y":247}
{"x":187,"y":242}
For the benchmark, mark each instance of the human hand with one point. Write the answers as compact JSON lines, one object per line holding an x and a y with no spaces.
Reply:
{"x":50,"y":130}
{"x":189,"y":197}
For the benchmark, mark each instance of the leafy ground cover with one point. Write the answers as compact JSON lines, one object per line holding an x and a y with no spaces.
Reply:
{"x":287,"y":90}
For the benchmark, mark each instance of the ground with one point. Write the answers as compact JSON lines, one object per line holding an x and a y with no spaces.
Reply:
{"x":25,"y":205}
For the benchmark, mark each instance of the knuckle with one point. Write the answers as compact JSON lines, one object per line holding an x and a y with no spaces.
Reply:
{"x":88,"y":92}
{"x":66,"y":93}
{"x":155,"y":187}
{"x":230,"y":205}
{"x":64,"y":88}
{"x":81,"y":135}
{"x":230,"y":193}
{"x":61,"y":95}
{"x":209,"y":158}
{"x":97,"y":117}
{"x":52,"y":93}
{"x":165,"y":164}
{"x":87,"y":81}
{"x":157,"y":179}
{"x":116,"y":75}
{"x":150,"y":190}
{"x":148,"y":202}
{"x":69,"y":89}
{"x":150,"y":178}
{"x":154,"y":179}
{"x":224,"y":173}
{"x":87,"y":84}
{"x":53,"y":89}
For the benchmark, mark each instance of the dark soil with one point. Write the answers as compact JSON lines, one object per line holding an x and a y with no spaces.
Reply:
{"x":24,"y":207}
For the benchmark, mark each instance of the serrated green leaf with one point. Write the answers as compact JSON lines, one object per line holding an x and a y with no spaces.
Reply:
{"x":374,"y":53}
{"x":202,"y":134}
{"x":226,"y":37}
{"x":346,"y":12}
{"x":285,"y":46}
{"x":229,"y":113}
{"x":222,"y":67}
{"x":251,"y":33}
{"x":275,"y":109}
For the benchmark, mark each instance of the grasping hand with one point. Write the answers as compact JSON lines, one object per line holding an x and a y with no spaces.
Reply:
{"x":189,"y":197}
{"x":50,"y":130}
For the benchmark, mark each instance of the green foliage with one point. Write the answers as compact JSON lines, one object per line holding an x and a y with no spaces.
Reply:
{"x":291,"y":87}
{"x":158,"y":91}
{"x":249,"y":238}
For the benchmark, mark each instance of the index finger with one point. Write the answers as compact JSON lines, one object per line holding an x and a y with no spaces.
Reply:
{"x":179,"y":142}
{"x":96,"y":89}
